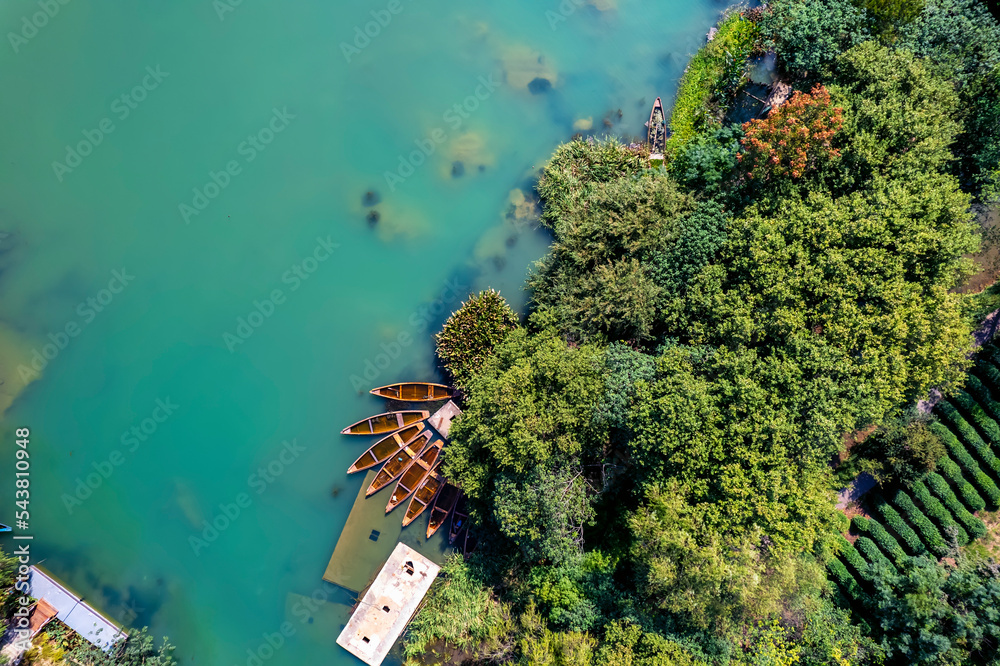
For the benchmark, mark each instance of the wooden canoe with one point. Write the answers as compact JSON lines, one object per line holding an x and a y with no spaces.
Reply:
{"x":383,"y":424}
{"x":459,"y":519}
{"x":398,"y":463}
{"x":443,"y":504}
{"x":657,"y":130}
{"x":424,"y":497}
{"x":388,"y":446}
{"x":414,"y":475}
{"x":471,"y":541}
{"x":414,"y":392}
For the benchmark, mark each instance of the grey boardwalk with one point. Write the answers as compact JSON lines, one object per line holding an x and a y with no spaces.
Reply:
{"x":73,"y":611}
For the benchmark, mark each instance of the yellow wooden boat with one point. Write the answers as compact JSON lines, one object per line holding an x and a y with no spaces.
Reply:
{"x":424,"y":495}
{"x":381,"y":424}
{"x":414,"y":475}
{"x":398,"y":463}
{"x":386,"y":447}
{"x":414,"y":392}
{"x":443,"y":505}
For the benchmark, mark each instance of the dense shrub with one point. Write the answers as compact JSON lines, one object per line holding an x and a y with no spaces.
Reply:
{"x":577,"y":164}
{"x":809,"y":34}
{"x":978,"y":390}
{"x":879,"y":535}
{"x":137,"y":649}
{"x":853,"y":558}
{"x":991,"y":353}
{"x":846,"y":581}
{"x":973,"y":526}
{"x":938,"y":513}
{"x":959,"y":34}
{"x":794,"y":139}
{"x":930,"y":534}
{"x":899,"y":451}
{"x":978,"y":148}
{"x":939,"y":615}
{"x":983,"y":422}
{"x":960,"y":454}
{"x":886,"y":15}
{"x":895,"y":522}
{"x":871,"y":552}
{"x":459,"y":611}
{"x":968,"y":436}
{"x":712,"y":72}
{"x":707,"y":162}
{"x":953,"y":472}
{"x":472,"y":332}
{"x":907,"y":134}
{"x":989,"y":373}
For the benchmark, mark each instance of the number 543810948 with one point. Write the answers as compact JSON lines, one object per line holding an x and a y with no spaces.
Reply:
{"x":22,"y":473}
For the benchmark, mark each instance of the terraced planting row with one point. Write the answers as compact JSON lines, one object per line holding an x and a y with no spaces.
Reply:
{"x":935,"y":513}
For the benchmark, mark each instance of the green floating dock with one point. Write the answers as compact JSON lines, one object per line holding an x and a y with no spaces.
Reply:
{"x":369,"y":535}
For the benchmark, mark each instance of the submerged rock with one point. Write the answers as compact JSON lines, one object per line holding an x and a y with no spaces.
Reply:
{"x":470,"y":151}
{"x":539,"y":85}
{"x":371,"y":198}
{"x":523,"y":65}
{"x":373,"y":218}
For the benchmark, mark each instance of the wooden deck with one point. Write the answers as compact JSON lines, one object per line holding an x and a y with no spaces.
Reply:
{"x":442,"y":418}
{"x":368,"y":537}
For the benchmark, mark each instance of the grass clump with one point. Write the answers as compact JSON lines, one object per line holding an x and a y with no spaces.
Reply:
{"x":713,"y":74}
{"x":459,"y":614}
{"x":471,"y":333}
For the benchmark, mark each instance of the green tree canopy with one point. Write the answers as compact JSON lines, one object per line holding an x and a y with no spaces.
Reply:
{"x":847,"y":300}
{"x":900,"y":114}
{"x":470,"y":334}
{"x":810,"y":34}
{"x":932,"y":614}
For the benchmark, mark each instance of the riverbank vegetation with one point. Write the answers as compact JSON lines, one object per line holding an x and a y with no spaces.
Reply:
{"x":652,"y":458}
{"x":57,"y":645}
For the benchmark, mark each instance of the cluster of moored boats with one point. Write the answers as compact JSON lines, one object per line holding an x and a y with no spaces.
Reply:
{"x":410,"y":456}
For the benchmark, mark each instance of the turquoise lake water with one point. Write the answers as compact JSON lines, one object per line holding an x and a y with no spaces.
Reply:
{"x":188,"y":279}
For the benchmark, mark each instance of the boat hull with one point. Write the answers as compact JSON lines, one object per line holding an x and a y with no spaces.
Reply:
{"x":386,"y":447}
{"x":426,"y":493}
{"x":459,"y":520}
{"x":398,"y":463}
{"x":414,"y":392}
{"x":383,"y":424}
{"x":414,"y":476}
{"x":444,"y":503}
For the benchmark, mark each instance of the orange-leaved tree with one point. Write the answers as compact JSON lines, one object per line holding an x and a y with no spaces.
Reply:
{"x":794,"y":138}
